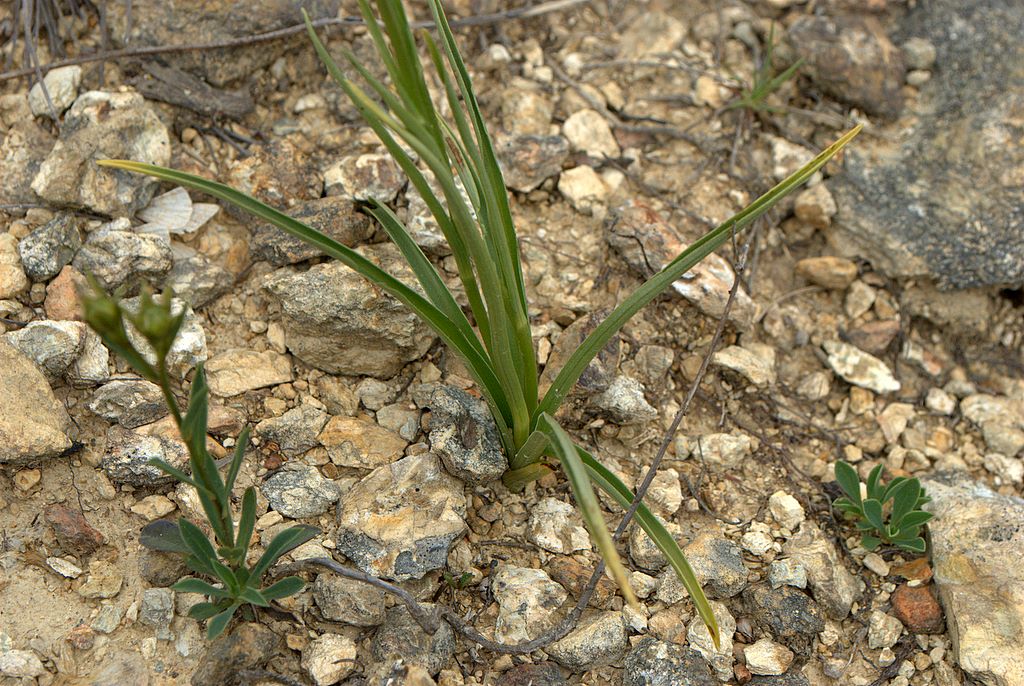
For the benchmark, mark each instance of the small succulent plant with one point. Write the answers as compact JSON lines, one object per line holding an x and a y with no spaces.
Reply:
{"x":888,"y":514}
{"x":223,"y":559}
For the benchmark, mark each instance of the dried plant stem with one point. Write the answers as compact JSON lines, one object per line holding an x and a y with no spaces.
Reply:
{"x":269,"y":36}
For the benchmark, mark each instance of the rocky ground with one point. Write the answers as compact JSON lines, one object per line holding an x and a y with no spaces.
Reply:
{"x":880,"y":322}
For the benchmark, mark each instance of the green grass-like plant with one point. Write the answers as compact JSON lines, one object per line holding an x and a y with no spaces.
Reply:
{"x":886,"y":515}
{"x":754,"y":97}
{"x":224,"y":558}
{"x":494,"y":340}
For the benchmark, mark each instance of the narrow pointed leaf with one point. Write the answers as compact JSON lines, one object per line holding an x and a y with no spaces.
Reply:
{"x":224,"y":573}
{"x":200,"y":586}
{"x":286,"y":541}
{"x":246,"y":524}
{"x":215,"y":627}
{"x":163,"y":535}
{"x":685,"y":261}
{"x":173,"y":471}
{"x":590,"y":508}
{"x":196,"y":540}
{"x":425,"y":272}
{"x":237,"y":458}
{"x":657,"y":532}
{"x":846,"y":477}
{"x":193,"y":430}
{"x":203,"y":611}
{"x":251,"y":595}
{"x":290,"y":585}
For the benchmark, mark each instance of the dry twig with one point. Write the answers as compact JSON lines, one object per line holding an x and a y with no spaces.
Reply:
{"x":269,"y":36}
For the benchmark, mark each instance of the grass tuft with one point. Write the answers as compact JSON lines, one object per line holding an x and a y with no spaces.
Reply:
{"x":493,"y":337}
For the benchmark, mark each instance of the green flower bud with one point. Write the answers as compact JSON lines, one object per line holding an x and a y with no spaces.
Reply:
{"x":156,"y":323}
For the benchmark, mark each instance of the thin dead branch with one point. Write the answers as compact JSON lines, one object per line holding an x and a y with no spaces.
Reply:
{"x":269,"y":36}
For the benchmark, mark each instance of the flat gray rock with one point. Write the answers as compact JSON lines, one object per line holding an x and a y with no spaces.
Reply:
{"x":45,"y":251}
{"x":300,"y":491}
{"x":945,"y":199}
{"x":335,"y":320}
{"x":464,"y":435}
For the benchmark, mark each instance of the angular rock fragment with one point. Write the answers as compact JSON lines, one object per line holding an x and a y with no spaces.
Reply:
{"x":104,"y":125}
{"x":337,"y":321}
{"x":33,"y":424}
{"x":401,"y":520}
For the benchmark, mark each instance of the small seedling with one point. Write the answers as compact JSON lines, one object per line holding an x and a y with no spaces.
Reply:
{"x":224,"y":558}
{"x":458,"y":583}
{"x":754,"y":98}
{"x":493,"y":335}
{"x":886,"y":515}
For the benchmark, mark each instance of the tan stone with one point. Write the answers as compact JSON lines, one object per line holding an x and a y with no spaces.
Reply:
{"x":976,"y":539}
{"x":357,"y":442}
{"x":32,"y":422}
{"x":828,"y":271}
{"x":236,"y":371}
{"x":62,"y":301}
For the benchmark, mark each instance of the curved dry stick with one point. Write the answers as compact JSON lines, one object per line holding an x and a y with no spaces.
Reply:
{"x":481,"y":20}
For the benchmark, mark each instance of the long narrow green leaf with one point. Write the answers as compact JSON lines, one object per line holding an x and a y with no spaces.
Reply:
{"x":287,"y":540}
{"x":215,"y":627}
{"x":193,"y":431}
{"x":489,"y":160}
{"x":246,"y":524}
{"x":425,"y":272}
{"x":173,"y":471}
{"x":477,"y":365}
{"x":227,"y":576}
{"x":196,"y":541}
{"x":201,"y":587}
{"x":448,"y":229}
{"x":685,"y":261}
{"x":252,"y":595}
{"x":511,"y":355}
{"x":237,"y":458}
{"x":203,"y":611}
{"x":290,"y":585}
{"x":590,"y":509}
{"x":214,"y":514}
{"x":501,"y":229}
{"x":613,"y":486}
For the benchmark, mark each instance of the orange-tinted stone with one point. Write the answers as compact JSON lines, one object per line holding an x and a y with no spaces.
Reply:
{"x":918,"y":609}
